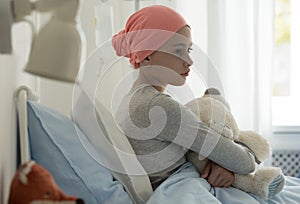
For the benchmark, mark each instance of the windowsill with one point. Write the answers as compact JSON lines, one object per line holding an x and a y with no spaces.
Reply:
{"x":285,"y":139}
{"x":286,"y":129}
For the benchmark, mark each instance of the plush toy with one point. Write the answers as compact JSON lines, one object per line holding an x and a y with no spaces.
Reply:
{"x":32,"y":184}
{"x":214,"y":111}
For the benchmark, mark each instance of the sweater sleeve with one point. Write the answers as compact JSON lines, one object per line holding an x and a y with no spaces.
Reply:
{"x":183,"y":128}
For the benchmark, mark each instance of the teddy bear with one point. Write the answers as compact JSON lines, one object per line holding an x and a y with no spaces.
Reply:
{"x":33,"y":184}
{"x":214,"y":111}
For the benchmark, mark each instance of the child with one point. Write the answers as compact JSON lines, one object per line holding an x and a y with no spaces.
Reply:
{"x":157,"y":41}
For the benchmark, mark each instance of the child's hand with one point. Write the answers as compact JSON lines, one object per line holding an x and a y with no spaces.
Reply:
{"x":217,"y":176}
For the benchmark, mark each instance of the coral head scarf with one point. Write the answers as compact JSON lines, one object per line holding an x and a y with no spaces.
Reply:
{"x":146,"y":31}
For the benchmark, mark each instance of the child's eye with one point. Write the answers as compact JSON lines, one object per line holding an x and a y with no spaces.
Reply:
{"x":178,"y":52}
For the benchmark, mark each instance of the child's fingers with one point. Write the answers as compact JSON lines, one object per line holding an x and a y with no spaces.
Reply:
{"x":206,"y":170}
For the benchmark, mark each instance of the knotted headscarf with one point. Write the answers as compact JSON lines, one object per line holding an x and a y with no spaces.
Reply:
{"x":146,"y":31}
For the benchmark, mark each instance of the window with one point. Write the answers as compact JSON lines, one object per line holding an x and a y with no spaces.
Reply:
{"x":286,"y":65}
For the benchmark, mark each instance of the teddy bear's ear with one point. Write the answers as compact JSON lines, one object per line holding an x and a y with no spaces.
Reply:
{"x":212,"y":91}
{"x":216,"y":94}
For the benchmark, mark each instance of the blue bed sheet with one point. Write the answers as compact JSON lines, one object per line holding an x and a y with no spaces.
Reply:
{"x":185,"y":186}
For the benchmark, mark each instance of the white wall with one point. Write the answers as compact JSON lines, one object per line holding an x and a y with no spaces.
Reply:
{"x":7,"y":124}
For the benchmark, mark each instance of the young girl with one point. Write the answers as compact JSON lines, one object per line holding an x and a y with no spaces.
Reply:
{"x":157,"y":40}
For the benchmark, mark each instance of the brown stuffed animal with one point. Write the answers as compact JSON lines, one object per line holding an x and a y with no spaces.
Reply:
{"x":32,"y":184}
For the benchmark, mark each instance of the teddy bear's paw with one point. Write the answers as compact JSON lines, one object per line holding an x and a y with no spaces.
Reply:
{"x":276,"y":186}
{"x":268,"y":182}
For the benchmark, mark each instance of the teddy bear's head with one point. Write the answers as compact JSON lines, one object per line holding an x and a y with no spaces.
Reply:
{"x":214,"y":110}
{"x":33,"y":183}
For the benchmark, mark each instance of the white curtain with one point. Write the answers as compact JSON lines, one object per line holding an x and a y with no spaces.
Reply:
{"x":240,"y":42}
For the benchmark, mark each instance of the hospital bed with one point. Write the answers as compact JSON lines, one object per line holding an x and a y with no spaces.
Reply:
{"x":107,"y":170}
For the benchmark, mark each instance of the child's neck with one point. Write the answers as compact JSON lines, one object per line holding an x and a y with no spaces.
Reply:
{"x":142,"y":79}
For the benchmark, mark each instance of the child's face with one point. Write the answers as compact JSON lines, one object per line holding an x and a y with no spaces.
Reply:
{"x":171,"y":63}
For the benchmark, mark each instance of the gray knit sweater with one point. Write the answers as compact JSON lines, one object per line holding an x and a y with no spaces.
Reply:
{"x":161,"y":130}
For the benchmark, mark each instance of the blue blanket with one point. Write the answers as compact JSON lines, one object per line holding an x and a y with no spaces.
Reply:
{"x":185,"y":186}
